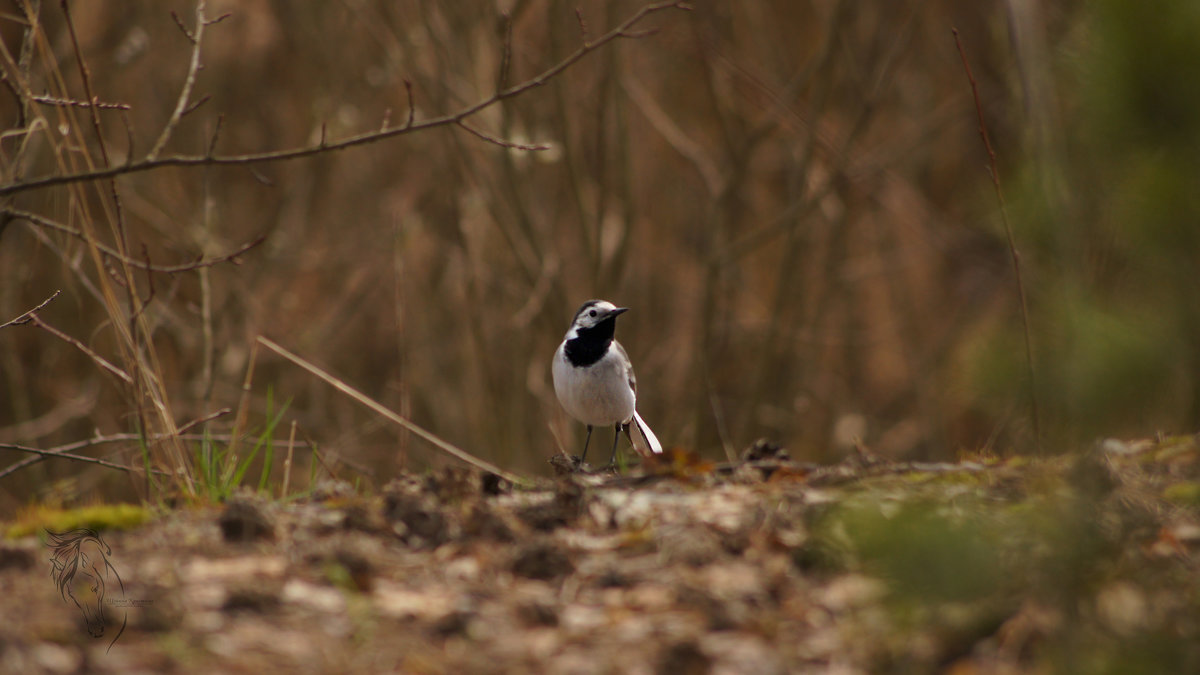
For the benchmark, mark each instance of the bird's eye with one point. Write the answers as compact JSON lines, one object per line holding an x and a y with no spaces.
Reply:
{"x":592,"y":313}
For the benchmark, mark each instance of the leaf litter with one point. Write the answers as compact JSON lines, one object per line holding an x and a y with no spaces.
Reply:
{"x":1077,"y":563}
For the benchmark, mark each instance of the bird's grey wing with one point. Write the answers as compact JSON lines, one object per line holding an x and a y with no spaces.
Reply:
{"x":628,"y":365}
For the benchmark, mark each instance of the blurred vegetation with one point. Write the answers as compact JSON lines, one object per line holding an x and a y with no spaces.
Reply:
{"x":792,"y":197}
{"x":1107,"y":218}
{"x":1066,"y":565}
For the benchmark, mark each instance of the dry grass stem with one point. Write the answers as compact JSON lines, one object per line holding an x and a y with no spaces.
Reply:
{"x":380,"y":409}
{"x":1014,"y":254}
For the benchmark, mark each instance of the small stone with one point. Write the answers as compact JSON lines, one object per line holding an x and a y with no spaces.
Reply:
{"x":683,"y":658}
{"x":492,"y":485}
{"x":251,"y":600}
{"x":15,"y":558}
{"x":543,"y":561}
{"x":417,"y":519}
{"x":765,"y":449}
{"x":242,"y":521}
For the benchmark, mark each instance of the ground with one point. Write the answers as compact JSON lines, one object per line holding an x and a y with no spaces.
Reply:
{"x":1082,"y":563}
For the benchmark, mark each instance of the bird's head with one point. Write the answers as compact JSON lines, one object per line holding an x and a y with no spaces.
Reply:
{"x":592,"y":314}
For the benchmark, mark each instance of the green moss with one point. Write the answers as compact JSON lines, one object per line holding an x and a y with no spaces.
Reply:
{"x":925,"y":551}
{"x":98,"y":517}
{"x":962,"y":477}
{"x":1175,"y":446}
{"x":1186,"y":493}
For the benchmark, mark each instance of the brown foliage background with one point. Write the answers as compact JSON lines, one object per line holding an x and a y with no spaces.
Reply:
{"x":792,"y":197}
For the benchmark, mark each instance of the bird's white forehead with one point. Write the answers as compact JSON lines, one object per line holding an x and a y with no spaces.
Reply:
{"x":603,"y":305}
{"x":585,"y":318}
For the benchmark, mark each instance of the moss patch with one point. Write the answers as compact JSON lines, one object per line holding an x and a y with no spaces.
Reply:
{"x":98,"y":517}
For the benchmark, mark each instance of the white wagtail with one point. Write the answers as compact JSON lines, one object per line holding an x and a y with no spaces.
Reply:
{"x":594,"y":379}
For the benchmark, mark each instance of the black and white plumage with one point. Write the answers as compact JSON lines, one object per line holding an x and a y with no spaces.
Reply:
{"x":594,"y":379}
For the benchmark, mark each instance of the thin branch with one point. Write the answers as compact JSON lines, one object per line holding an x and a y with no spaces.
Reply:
{"x":506,"y":54}
{"x":287,"y":463}
{"x":382,"y":410}
{"x":181,"y":105}
{"x":219,"y":19}
{"x":212,"y":143}
{"x":100,"y":360}
{"x":191,"y":108}
{"x":638,"y":34}
{"x":153,"y":161}
{"x":182,"y":28}
{"x":1012,"y":243}
{"x":676,"y":137}
{"x":44,"y":454}
{"x":66,"y":451}
{"x":583,"y":27}
{"x":86,"y":76}
{"x":72,"y":103}
{"x":500,"y":141}
{"x":42,"y":221}
{"x":201,"y":420}
{"x":28,"y":316}
{"x":412,"y":107}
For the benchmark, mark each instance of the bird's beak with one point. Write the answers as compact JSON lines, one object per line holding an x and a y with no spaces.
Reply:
{"x":618,"y":310}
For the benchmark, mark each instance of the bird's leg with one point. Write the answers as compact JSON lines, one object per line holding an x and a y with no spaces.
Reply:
{"x":585,"y":444}
{"x":612,"y":461}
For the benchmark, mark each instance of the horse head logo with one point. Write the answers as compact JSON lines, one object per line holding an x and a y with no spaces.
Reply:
{"x":81,"y":568}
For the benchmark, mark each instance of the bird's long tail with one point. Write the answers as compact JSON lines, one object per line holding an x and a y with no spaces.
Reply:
{"x":643,"y":439}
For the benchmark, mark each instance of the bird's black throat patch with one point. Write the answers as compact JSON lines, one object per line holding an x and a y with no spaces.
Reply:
{"x":590,"y":344}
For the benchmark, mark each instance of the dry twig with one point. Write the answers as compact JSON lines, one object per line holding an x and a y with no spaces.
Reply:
{"x":66,"y":451}
{"x":1012,"y":243}
{"x":54,"y":452}
{"x":181,"y":105}
{"x":380,"y":409}
{"x":28,"y":316}
{"x":153,"y":161}
{"x":132,"y":262}
{"x":100,"y":360}
{"x":72,"y":103}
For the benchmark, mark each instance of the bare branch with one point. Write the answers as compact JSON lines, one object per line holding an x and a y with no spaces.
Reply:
{"x":153,"y":161}
{"x":65,"y":451}
{"x":86,"y":76}
{"x":197,"y":104}
{"x":583,"y":28}
{"x":506,"y":54}
{"x":72,"y":103}
{"x":45,"y":454}
{"x":28,"y":316}
{"x":182,"y":28}
{"x":100,"y":360}
{"x":201,"y":420}
{"x":412,"y":107}
{"x":638,"y":34}
{"x":181,"y":105}
{"x":500,"y":141}
{"x":114,"y":254}
{"x":212,"y":144}
{"x":676,"y":137}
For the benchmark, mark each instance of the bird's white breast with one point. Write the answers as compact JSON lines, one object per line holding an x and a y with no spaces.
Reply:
{"x":598,"y":394}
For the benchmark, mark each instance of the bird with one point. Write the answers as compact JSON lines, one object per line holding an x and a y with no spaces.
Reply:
{"x":594,"y":381}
